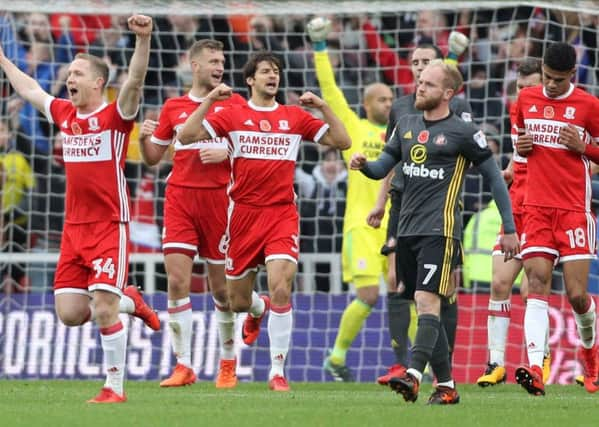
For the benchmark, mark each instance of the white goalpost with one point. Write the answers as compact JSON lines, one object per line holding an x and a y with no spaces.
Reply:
{"x":370,"y":39}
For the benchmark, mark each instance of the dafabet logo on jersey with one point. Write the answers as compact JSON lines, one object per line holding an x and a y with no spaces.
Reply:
{"x":417,"y":168}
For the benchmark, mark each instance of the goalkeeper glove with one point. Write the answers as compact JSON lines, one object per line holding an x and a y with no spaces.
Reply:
{"x":458,"y":43}
{"x":318,"y":30}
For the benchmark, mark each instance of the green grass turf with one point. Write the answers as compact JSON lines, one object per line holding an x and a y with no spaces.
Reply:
{"x":62,"y":403}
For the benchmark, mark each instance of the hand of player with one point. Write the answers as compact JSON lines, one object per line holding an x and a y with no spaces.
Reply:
{"x":507,"y":175}
{"x":375,"y":217}
{"x":318,"y":29}
{"x":457,"y":43}
{"x":524,"y":144}
{"x":569,"y":136}
{"x":310,"y":100}
{"x":220,"y":93}
{"x":147,"y":128}
{"x":141,"y":25}
{"x":357,"y":162}
{"x":213,"y":155}
{"x":510,"y":246}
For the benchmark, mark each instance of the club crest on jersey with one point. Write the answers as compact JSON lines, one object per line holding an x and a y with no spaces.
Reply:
{"x":548,"y":112}
{"x":283,"y":125}
{"x":569,"y":114}
{"x":440,"y":139}
{"x":423,"y":136}
{"x":92,"y":123}
{"x":265,"y":126}
{"x":76,"y":128}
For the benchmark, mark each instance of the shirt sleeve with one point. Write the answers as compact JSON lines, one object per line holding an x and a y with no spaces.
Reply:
{"x":593,"y":123}
{"x":163,"y":135}
{"x":474,"y":145}
{"x":462,"y":109}
{"x":219,"y":123}
{"x":392,"y":120}
{"x":311,"y":128}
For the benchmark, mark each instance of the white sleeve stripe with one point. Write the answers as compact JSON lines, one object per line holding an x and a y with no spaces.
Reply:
{"x":321,"y":132}
{"x":47,"y":111}
{"x":209,"y":128}
{"x":160,"y":141}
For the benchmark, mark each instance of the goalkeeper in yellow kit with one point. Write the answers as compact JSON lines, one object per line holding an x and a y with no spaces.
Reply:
{"x":363,"y":265}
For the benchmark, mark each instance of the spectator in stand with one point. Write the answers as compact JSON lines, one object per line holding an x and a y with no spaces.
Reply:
{"x":17,"y":183}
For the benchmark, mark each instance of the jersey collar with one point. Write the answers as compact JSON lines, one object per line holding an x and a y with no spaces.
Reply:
{"x":195,"y":98}
{"x":564,"y":96}
{"x":85,"y":116}
{"x":257,"y":108}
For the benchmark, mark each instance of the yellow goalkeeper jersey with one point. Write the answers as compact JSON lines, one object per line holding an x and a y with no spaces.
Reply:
{"x":367,"y":138}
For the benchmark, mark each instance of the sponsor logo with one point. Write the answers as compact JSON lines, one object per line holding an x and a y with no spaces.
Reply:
{"x":423,"y":136}
{"x":92,"y":123}
{"x":407,"y":135}
{"x":217,"y":109}
{"x":87,"y":148}
{"x":265,"y":126}
{"x":570,"y":112}
{"x":283,"y":125}
{"x":532,"y":109}
{"x":65,"y":125}
{"x":183,"y":115}
{"x":76,"y":128}
{"x":480,"y":139}
{"x":440,"y":139}
{"x":413,"y":170}
{"x":418,"y":154}
{"x":548,"y":112}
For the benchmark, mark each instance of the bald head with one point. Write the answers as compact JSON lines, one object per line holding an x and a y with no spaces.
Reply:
{"x":377,"y":102}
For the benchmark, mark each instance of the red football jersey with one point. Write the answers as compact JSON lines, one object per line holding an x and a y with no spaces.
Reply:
{"x":188,"y":169}
{"x":94,"y":150}
{"x":557,"y":177}
{"x":518,"y":187}
{"x":265,"y":142}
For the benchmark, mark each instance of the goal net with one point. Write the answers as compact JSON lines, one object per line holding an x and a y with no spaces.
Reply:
{"x":370,"y":42}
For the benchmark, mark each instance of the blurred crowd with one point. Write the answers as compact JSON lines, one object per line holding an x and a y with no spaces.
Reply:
{"x":364,"y":49}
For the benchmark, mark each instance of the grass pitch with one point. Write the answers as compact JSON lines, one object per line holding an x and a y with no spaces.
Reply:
{"x":62,"y":403}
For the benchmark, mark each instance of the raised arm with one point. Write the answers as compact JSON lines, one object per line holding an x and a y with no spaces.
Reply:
{"x":193,"y":130}
{"x":131,"y":92}
{"x":23,"y":84}
{"x":337,"y":135}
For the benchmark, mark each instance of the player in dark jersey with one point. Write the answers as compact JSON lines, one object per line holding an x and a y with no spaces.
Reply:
{"x":398,"y":307}
{"x":436,"y":147}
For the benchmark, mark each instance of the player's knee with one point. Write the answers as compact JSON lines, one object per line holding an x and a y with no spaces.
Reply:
{"x":177,"y":282}
{"x":500,"y":288}
{"x":73,"y":317}
{"x":370,"y":299}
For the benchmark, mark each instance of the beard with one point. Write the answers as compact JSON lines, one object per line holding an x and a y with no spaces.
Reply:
{"x":425,"y":104}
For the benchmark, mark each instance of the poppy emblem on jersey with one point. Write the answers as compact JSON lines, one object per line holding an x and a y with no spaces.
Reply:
{"x":440,"y":139}
{"x":92,"y":123}
{"x":76,"y":128}
{"x":423,"y":136}
{"x":418,"y":154}
{"x":265,"y":126}
{"x":283,"y":125}
{"x":569,"y":114}
{"x":548,"y":112}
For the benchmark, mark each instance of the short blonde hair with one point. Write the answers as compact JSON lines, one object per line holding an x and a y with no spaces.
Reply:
{"x":453,"y":78}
